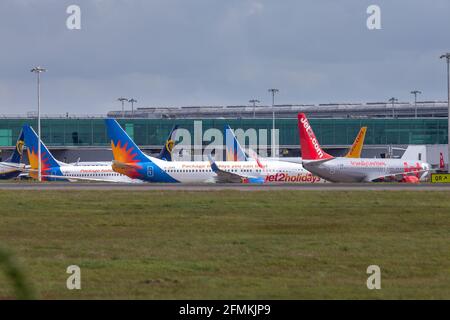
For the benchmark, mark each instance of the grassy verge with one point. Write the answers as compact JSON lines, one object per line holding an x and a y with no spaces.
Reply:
{"x":227,"y":244}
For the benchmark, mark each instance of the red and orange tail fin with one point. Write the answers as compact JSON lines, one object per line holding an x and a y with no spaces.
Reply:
{"x":309,"y":145}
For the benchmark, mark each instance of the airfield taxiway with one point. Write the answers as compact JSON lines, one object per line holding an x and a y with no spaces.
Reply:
{"x":219,"y":187}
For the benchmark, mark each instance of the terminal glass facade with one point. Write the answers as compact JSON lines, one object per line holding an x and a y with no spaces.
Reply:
{"x":153,"y":132}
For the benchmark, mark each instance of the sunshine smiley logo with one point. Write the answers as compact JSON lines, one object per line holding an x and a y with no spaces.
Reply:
{"x":122,"y":154}
{"x":126,"y":162}
{"x":34,"y":163}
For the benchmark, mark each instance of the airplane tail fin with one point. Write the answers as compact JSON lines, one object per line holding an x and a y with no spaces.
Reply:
{"x":234,"y":151}
{"x":32,"y":142}
{"x":309,"y":145}
{"x":255,"y":156}
{"x":123,"y":147}
{"x":356,"y":148}
{"x":166,"y":151}
{"x":16,"y":156}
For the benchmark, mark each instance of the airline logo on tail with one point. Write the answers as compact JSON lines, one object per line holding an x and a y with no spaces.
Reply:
{"x":124,"y":149}
{"x":312,"y":137}
{"x":355,"y":150}
{"x":169,"y":145}
{"x":310,"y":147}
{"x":19,"y":147}
{"x":34,"y":162}
{"x":234,"y":151}
{"x":166,"y":151}
{"x":32,"y":142}
{"x":123,"y":154}
{"x":16,"y":156}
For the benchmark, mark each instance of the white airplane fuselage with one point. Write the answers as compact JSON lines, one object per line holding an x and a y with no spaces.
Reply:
{"x":366,"y":170}
{"x":102,"y":172}
{"x":157,"y":170}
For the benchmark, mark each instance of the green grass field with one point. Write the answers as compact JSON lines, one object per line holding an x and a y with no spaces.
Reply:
{"x":228,"y":245}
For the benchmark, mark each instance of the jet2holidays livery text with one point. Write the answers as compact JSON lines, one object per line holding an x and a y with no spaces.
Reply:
{"x":235,"y":152}
{"x":129,"y":160}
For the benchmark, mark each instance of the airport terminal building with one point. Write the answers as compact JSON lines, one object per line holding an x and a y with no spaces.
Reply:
{"x":390,"y":127}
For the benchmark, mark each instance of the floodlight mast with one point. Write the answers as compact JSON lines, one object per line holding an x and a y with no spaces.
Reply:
{"x":273,"y":91}
{"x":415,"y":93}
{"x":38,"y":70}
{"x":132,"y":101}
{"x":122,"y":99}
{"x":254,"y":102}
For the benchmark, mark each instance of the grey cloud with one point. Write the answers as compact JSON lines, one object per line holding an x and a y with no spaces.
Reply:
{"x":176,"y":52}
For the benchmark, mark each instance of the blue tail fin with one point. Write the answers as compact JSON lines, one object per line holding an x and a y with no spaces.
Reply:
{"x":124,"y":149}
{"x":166,"y":151}
{"x":31,"y":142}
{"x":234,"y":151}
{"x":16,"y":156}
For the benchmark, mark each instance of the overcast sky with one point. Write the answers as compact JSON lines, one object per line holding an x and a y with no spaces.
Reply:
{"x":207,"y":52}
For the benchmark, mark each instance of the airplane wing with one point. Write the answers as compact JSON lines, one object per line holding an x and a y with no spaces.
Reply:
{"x":72,"y":179}
{"x":397,"y":176}
{"x":13,"y":166}
{"x":230,"y":177}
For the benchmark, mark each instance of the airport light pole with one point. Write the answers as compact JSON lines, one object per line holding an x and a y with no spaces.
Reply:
{"x":393,"y":101}
{"x":38,"y":70}
{"x":415,"y":93}
{"x":122,"y":99}
{"x":273,"y":91}
{"x":132,"y":101}
{"x":254,"y":101}
{"x":447,"y":57}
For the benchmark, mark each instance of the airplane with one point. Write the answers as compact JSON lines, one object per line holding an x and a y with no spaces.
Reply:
{"x":54,"y":170}
{"x":235,"y":152}
{"x":12,"y":167}
{"x":101,"y":171}
{"x":339,"y":169}
{"x":132,"y":162}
